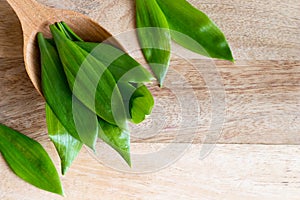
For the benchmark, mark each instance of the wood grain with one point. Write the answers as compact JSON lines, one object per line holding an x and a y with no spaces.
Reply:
{"x":10,"y":32}
{"x":247,"y":172}
{"x":251,"y":109}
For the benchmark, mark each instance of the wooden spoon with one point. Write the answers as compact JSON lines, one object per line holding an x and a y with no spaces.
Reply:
{"x":35,"y":18}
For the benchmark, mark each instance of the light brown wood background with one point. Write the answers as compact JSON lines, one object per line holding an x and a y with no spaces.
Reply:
{"x":257,"y":155}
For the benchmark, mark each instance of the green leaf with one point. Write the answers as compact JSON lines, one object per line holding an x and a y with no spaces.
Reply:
{"x":194,"y":30}
{"x":154,"y":37}
{"x":90,"y":81}
{"x":29,"y":160}
{"x":66,"y":145}
{"x":117,"y":138}
{"x":122,"y":66}
{"x":78,"y":120}
{"x":138,"y":101}
{"x":62,"y":26}
{"x":141,"y":104}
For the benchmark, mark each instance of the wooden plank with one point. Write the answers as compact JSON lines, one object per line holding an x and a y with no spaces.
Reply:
{"x":260,"y":103}
{"x":229,"y":172}
{"x":10,"y":32}
{"x":20,"y":105}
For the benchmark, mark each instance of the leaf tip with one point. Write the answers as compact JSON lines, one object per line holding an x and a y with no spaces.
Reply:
{"x":160,"y":84}
{"x":232,"y":60}
{"x":230,"y":57}
{"x":127,"y":157}
{"x":64,"y":169}
{"x":61,"y":192}
{"x":129,"y":163}
{"x":160,"y":79}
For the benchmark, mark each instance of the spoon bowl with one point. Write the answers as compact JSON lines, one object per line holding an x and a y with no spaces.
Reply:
{"x":35,"y":18}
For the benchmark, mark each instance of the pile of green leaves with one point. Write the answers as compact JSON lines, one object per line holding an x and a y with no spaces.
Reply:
{"x":159,"y":21}
{"x":92,"y":90}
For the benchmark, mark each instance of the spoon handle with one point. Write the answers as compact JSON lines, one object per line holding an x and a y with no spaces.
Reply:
{"x":27,"y":10}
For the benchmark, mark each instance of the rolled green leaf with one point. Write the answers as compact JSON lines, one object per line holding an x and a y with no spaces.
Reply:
{"x":29,"y":160}
{"x":154,"y":37}
{"x":77,"y":119}
{"x":141,"y":104}
{"x":90,"y":81}
{"x":137,"y":98}
{"x":118,"y":139}
{"x":66,"y":145}
{"x":194,"y":30}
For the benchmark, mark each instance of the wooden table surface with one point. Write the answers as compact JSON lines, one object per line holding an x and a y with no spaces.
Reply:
{"x":249,"y":109}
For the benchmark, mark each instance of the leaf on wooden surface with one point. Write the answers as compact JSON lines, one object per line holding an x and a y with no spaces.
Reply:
{"x":29,"y":160}
{"x":154,"y":37}
{"x":194,"y":30}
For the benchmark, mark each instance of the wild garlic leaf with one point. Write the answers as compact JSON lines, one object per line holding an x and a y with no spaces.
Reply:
{"x":29,"y":160}
{"x":90,"y":81}
{"x":117,"y":138}
{"x":121,"y":65}
{"x":66,"y":145}
{"x":77,"y":119}
{"x":194,"y":30}
{"x":141,"y":104}
{"x":154,"y":37}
